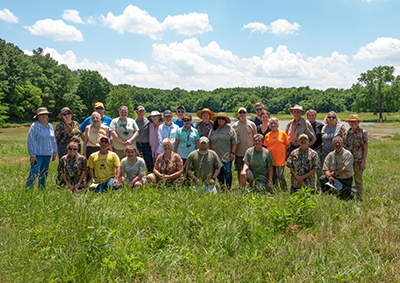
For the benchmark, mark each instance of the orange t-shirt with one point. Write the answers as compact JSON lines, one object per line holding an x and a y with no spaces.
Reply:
{"x":276,"y":144}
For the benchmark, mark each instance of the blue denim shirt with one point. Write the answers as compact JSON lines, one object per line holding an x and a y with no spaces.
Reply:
{"x":41,"y":140}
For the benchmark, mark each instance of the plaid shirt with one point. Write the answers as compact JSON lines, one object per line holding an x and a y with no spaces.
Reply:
{"x":354,"y":142}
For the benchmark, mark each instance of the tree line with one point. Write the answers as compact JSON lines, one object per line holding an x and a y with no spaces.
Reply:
{"x":28,"y":82}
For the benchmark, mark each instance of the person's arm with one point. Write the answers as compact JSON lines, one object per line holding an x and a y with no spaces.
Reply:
{"x":232,"y":155}
{"x":116,"y":138}
{"x":85,"y":141}
{"x":312,"y":142}
{"x":191,"y":174}
{"x":116,"y":181}
{"x":300,"y":179}
{"x":342,"y":131}
{"x":91,"y":173}
{"x":244,"y":174}
{"x":110,"y":143}
{"x":176,"y":145}
{"x":197,"y":144}
{"x":175,"y":175}
{"x":80,"y":180}
{"x":270,"y":175}
{"x":133,"y":138}
{"x":69,"y":185}
{"x":216,"y":173}
{"x":362,"y":165}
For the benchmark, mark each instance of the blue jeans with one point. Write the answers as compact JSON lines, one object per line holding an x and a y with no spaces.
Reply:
{"x":145,"y":149}
{"x":102,"y":187}
{"x":39,"y":169}
{"x":225,"y":176}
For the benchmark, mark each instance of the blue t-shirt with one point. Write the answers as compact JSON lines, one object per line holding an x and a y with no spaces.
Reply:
{"x":180,"y":123}
{"x":106,"y":121}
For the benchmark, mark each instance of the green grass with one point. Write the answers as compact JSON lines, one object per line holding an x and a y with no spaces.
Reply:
{"x":157,"y":235}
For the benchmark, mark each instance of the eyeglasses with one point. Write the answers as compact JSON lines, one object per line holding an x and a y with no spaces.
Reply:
{"x":104,"y":141}
{"x":259,"y":109}
{"x":71,"y":148}
{"x":99,"y":108}
{"x":242,"y":112}
{"x":180,"y":111}
{"x":330,"y":117}
{"x":65,"y":114}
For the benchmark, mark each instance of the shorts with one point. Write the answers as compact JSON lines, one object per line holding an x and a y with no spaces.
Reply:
{"x":239,"y":163}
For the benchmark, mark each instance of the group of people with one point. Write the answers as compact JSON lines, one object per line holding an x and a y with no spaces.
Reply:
{"x":116,"y":151}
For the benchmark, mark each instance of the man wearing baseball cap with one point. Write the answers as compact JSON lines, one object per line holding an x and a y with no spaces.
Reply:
{"x":179,"y":112}
{"x":105,"y":120}
{"x":203,"y":166}
{"x":104,"y":168}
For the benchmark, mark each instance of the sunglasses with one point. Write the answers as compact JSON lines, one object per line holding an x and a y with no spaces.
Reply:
{"x":186,"y":121}
{"x":242,"y":112}
{"x":99,"y":108}
{"x":66,"y":114}
{"x":219,"y":118}
{"x":180,"y":111}
{"x":330,"y":117}
{"x":71,"y":148}
{"x":257,"y":141}
{"x":104,"y":141}
{"x":259,"y":109}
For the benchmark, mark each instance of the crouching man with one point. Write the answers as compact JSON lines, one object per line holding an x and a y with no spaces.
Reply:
{"x":104,"y":168}
{"x":338,"y":170}
{"x":203,"y":166}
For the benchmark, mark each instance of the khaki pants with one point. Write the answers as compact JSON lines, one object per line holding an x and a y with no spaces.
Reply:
{"x":319,"y":171}
{"x":358,"y":180}
{"x":120,"y":153}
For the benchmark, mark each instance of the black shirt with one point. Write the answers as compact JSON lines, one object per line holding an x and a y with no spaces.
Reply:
{"x":317,"y":127}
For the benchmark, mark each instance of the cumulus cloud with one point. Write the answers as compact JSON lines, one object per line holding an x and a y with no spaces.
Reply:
{"x":280,"y":27}
{"x":56,"y":29}
{"x":8,"y":16}
{"x":191,"y":24}
{"x":382,"y":48}
{"x":73,"y":16}
{"x":130,"y":65}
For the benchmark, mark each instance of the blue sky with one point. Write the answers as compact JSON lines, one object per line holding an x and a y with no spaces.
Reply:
{"x":210,"y":44}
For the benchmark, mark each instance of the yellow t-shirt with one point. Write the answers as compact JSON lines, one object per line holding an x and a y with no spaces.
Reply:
{"x":104,"y":165}
{"x":276,"y":144}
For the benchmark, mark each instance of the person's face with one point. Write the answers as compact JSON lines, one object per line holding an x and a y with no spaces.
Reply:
{"x":180,"y":112}
{"x":100,"y":110}
{"x":332,"y":119}
{"x":205,"y":116}
{"x":43,"y":117}
{"x":265,"y":118}
{"x":221,"y":122}
{"x":103,"y":143}
{"x":168,"y":118}
{"x":67,"y":116}
{"x":141,"y":113}
{"x":167,"y":147}
{"x":203,"y":145}
{"x":311,"y":116}
{"x":155,"y":118}
{"x":186,"y":122}
{"x":354,"y":124}
{"x":242,"y":115}
{"x":297,"y":114}
{"x":130,"y":153}
{"x":123,"y":113}
{"x":72,"y":150}
{"x":258,"y":142}
{"x":259,"y":109}
{"x":273,"y":125}
{"x":96,"y":119}
{"x":303,"y":143}
{"x":337,"y":144}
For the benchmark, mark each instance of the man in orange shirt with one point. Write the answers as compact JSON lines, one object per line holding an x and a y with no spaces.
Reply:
{"x":277,"y":143}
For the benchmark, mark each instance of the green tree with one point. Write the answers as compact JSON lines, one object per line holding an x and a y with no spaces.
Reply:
{"x":374,"y":90}
{"x":3,"y":110}
{"x":75,"y":103}
{"x":117,"y":98}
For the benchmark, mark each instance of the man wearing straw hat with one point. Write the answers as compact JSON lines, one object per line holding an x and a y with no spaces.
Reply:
{"x":297,"y":127}
{"x":356,"y":141}
{"x":204,"y":126}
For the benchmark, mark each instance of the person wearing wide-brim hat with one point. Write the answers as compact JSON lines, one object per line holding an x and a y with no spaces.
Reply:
{"x":223,"y":140}
{"x":155,"y":122}
{"x":67,"y":131}
{"x":356,"y":141}
{"x":298,"y":126}
{"x":42,"y":148}
{"x":204,"y":126}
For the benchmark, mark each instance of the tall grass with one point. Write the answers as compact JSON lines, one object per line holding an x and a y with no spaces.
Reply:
{"x":157,"y":235}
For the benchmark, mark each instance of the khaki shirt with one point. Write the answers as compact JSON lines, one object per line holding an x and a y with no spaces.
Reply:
{"x":338,"y":161}
{"x":295,"y":129}
{"x":245,"y":132}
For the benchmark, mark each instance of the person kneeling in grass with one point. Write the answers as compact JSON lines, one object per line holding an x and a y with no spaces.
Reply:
{"x":203,"y":166}
{"x":133,"y":165}
{"x":303,"y":163}
{"x":104,"y":168}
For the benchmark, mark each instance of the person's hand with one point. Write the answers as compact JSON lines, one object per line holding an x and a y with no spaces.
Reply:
{"x":269,"y":186}
{"x":232,"y":156}
{"x":244,"y":174}
{"x":117,"y":183}
{"x":195,"y":180}
{"x":53,"y":158}
{"x":128,"y":142}
{"x":93,"y":181}
{"x":362,"y":166}
{"x":331,"y":179}
{"x":76,"y":186}
{"x":69,"y":186}
{"x":32,"y":160}
{"x":211,"y":181}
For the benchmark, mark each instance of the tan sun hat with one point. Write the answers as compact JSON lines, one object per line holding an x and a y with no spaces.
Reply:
{"x":42,"y":110}
{"x":221,"y":115}
{"x":297,"y":107}
{"x":200,"y":112}
{"x":65,"y":109}
{"x":354,"y":117}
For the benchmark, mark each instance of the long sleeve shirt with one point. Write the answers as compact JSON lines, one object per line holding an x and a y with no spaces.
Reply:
{"x":164,"y":132}
{"x":41,"y":140}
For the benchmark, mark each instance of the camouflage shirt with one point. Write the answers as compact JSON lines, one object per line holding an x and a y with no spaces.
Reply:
{"x":67,"y":133}
{"x":303,"y":161}
{"x":354,"y":142}
{"x":73,"y":171}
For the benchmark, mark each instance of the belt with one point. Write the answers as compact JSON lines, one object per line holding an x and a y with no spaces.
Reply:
{"x":142,"y":143}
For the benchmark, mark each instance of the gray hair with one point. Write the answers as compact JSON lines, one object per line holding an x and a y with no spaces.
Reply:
{"x":258,"y":136}
{"x":273,"y":120}
{"x":311,"y":110}
{"x":123,"y":107}
{"x":95,"y":114}
{"x":338,"y":138}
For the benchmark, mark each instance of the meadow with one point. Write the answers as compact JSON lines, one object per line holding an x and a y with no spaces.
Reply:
{"x":158,"y":235}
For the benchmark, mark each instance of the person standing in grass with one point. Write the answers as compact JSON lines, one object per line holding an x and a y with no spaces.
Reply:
{"x":155,"y":123}
{"x":166,"y":130}
{"x":104,"y":168}
{"x":356,"y":141}
{"x":186,"y":138}
{"x":264,"y":128}
{"x":73,"y":167}
{"x":203,"y":166}
{"x":204,"y":127}
{"x":42,"y":148}
{"x":67,"y":131}
{"x":303,"y":163}
{"x":93,"y":133}
{"x":338,"y":166}
{"x":317,"y":146}
{"x":105,"y":120}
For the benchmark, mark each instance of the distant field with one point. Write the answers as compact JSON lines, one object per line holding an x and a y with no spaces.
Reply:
{"x":157,"y":235}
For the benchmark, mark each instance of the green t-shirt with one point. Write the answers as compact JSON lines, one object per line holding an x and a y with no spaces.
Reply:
{"x":203,"y":166}
{"x":259,"y":163}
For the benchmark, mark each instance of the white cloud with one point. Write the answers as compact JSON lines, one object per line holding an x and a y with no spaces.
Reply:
{"x":191,"y":24}
{"x":280,"y":27}
{"x":382,"y":48}
{"x":73,"y":16}
{"x":56,"y":29}
{"x":133,"y":20}
{"x":8,"y":16}
{"x":130,"y":65}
